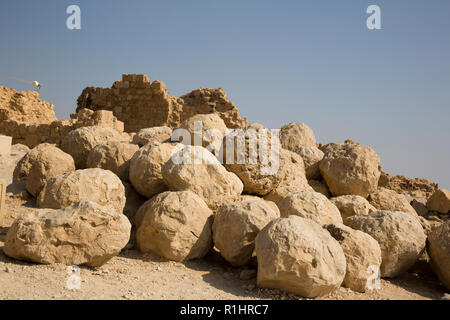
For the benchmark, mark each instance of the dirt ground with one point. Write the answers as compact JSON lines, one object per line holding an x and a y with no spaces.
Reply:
{"x":133,"y":275}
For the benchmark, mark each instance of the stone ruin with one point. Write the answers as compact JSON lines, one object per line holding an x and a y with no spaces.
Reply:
{"x":131,"y":104}
{"x":102,"y":191}
{"x":30,"y":121}
{"x":140,"y":103}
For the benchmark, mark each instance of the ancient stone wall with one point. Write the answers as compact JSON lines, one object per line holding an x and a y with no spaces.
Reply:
{"x":24,"y":106}
{"x":54,"y":132}
{"x":141,"y":103}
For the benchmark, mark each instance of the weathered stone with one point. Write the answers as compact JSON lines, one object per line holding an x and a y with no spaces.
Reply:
{"x":23,"y":167}
{"x":385,"y":199}
{"x":176,"y":226}
{"x":297,"y":255}
{"x":320,"y":187}
{"x":294,"y":179}
{"x":155,"y":134}
{"x":196,"y":169}
{"x":82,"y":234}
{"x":97,"y":185}
{"x":362,"y":254}
{"x":24,"y":106}
{"x":310,"y":205}
{"x":399,"y":234}
{"x":145,"y":104}
{"x":205,"y":130}
{"x":350,"y":169}
{"x":113,"y":156}
{"x":80,"y":142}
{"x":236,"y":225}
{"x":146,"y":166}
{"x":296,"y":135}
{"x":439,"y":250}
{"x":415,"y":187}
{"x":49,"y":162}
{"x":350,"y":205}
{"x":439,"y":201}
{"x":311,"y":156}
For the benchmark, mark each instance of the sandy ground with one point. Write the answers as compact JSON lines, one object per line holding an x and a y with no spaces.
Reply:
{"x":133,"y":275}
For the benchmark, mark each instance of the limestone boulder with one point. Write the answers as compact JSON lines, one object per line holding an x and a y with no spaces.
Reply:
{"x":260,"y":175}
{"x":196,"y":169}
{"x":438,"y":248}
{"x":236,"y":225}
{"x":310,"y":205}
{"x":80,"y":142}
{"x":205,"y":130}
{"x":48,"y":163}
{"x":350,"y":205}
{"x":320,"y":187}
{"x":114,"y":156}
{"x":297,"y":255}
{"x":23,"y":166}
{"x":154,"y":134}
{"x":145,"y":168}
{"x":389,"y":200}
{"x":96,"y":185}
{"x":84,"y":233}
{"x":296,"y":135}
{"x":439,"y":201}
{"x":176,"y":226}
{"x":311,"y":156}
{"x":350,"y":169}
{"x":294,"y":179}
{"x":399,"y":234}
{"x":362,"y":254}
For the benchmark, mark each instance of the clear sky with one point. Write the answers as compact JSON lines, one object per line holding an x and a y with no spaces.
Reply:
{"x":280,"y":61}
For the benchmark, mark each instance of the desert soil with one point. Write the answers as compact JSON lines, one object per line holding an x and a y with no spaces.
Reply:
{"x":133,"y":275}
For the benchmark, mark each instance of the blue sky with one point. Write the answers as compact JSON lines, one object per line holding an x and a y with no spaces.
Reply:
{"x":279,"y":61}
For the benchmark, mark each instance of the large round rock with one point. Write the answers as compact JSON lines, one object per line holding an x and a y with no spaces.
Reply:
{"x":236,"y":226}
{"x":196,"y":169}
{"x":47,"y":163}
{"x":439,"y":250}
{"x":363,"y":256}
{"x":389,"y":200}
{"x":439,"y":201}
{"x":82,"y":234}
{"x":114,"y":156}
{"x":145,"y":168}
{"x":23,"y":167}
{"x":294,"y":179}
{"x":176,"y":226}
{"x":79,"y":143}
{"x":310,"y":205}
{"x":311,"y":156}
{"x":154,"y":134}
{"x":400,"y":236}
{"x":352,"y":206}
{"x":97,"y":185}
{"x":205,"y":130}
{"x":260,"y":175}
{"x":298,"y":255}
{"x":296,"y":135}
{"x":350,"y":169}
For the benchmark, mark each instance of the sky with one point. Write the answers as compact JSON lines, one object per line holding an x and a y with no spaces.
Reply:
{"x":280,"y":61}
